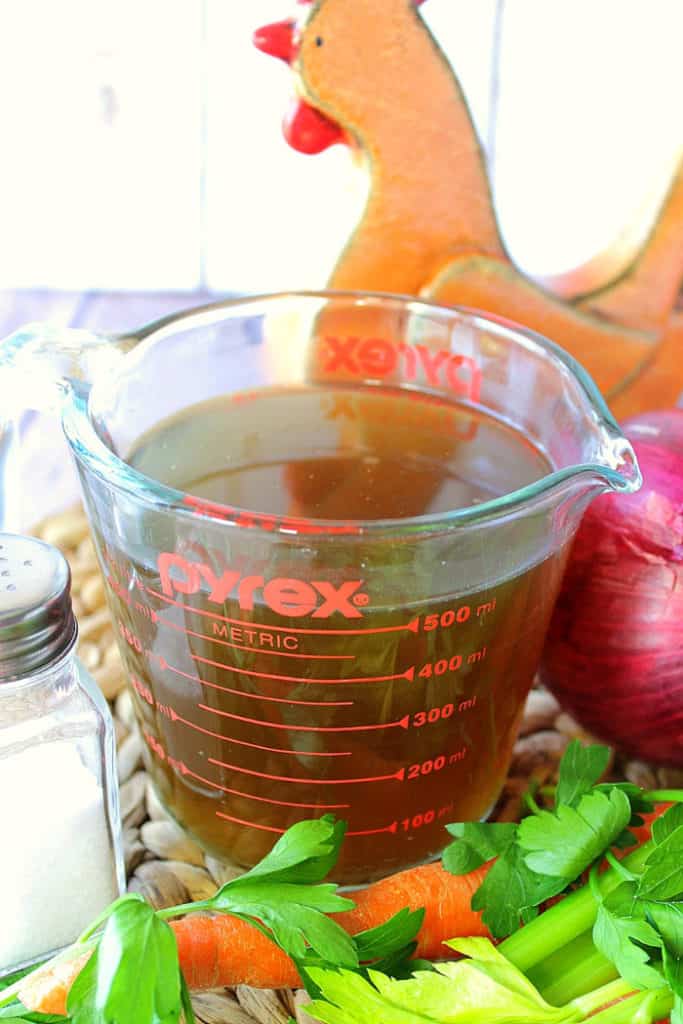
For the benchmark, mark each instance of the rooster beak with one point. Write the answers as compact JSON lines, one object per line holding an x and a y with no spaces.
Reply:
{"x":277,"y":40}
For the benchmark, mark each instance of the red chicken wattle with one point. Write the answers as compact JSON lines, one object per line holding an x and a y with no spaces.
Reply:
{"x":306,"y":129}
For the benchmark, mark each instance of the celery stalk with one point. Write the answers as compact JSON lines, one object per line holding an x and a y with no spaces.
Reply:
{"x":561,"y":924}
{"x":641,"y":1008}
{"x":572,"y":971}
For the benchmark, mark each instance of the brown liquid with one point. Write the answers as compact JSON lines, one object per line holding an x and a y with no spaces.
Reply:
{"x":244,"y":738}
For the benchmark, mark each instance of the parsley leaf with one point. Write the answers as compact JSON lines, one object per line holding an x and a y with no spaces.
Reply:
{"x":639,"y":802}
{"x":673,"y":971}
{"x":580,"y":769}
{"x":511,"y":892}
{"x":16,"y":1011}
{"x":186,"y":1000}
{"x":621,"y":931}
{"x":475,"y":844}
{"x":133,"y":975}
{"x":565,"y":842}
{"x":396,"y":933}
{"x":306,"y":852}
{"x":667,"y":918}
{"x":663,"y":827}
{"x":279,"y":893}
{"x":663,"y":875}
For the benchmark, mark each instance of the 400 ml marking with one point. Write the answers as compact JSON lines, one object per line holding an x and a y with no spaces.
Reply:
{"x":453,"y":664}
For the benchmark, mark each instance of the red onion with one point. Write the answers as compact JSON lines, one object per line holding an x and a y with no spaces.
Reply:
{"x":614,"y":654}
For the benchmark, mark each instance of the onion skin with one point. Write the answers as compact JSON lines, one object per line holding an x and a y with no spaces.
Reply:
{"x":614,"y":652}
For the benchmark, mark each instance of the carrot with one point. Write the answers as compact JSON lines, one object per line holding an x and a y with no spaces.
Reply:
{"x":224,"y":951}
{"x":446,"y":899}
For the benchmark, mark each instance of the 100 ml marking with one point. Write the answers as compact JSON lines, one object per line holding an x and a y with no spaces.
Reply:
{"x":426,"y":818}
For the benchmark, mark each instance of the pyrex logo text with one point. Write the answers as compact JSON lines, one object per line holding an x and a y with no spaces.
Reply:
{"x":377,"y":357}
{"x":282,"y":595}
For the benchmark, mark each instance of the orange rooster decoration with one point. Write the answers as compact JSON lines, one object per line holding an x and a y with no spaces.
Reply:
{"x":429,"y":227}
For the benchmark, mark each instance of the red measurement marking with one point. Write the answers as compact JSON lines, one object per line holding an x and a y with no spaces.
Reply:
{"x":257,"y":650}
{"x":281,"y":831}
{"x":413,"y":626}
{"x":258,"y":696}
{"x":403,"y":723}
{"x":175,"y":717}
{"x":262,"y":799}
{"x":408,"y":674}
{"x":399,"y":776}
{"x":374,"y":831}
{"x":250,"y":824}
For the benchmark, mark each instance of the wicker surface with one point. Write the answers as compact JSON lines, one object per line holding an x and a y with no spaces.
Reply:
{"x":166,"y":866}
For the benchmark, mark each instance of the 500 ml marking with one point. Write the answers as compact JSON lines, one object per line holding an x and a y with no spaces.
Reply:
{"x":457,"y":616}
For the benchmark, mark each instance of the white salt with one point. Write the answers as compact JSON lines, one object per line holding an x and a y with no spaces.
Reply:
{"x":56,"y":863}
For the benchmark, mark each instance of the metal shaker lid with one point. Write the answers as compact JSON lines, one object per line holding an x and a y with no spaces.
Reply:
{"x":37,"y":624}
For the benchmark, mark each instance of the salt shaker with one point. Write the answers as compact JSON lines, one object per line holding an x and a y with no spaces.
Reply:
{"x":60,"y":830}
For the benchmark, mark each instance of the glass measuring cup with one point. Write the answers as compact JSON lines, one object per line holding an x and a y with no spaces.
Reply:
{"x":286,"y":665}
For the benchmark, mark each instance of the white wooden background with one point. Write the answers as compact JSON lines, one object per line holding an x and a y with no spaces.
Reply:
{"x":141,"y":145}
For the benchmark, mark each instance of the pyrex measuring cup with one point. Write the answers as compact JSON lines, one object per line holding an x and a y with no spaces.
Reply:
{"x":337,"y":638}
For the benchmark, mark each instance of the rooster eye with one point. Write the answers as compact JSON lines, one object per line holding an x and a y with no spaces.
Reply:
{"x":319,"y":40}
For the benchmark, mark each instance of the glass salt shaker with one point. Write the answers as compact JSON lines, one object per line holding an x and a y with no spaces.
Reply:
{"x":60,"y":829}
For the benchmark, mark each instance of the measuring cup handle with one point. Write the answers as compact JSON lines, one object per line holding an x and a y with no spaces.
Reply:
{"x":41,"y":363}
{"x":41,"y":366}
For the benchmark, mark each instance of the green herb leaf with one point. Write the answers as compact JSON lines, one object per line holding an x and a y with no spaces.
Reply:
{"x":580,"y":768}
{"x":306,"y":853}
{"x":511,"y":892}
{"x":186,"y":1001}
{"x":384,"y":940}
{"x":677,"y":1012}
{"x":295,"y":914}
{"x":663,"y":827}
{"x":133,"y":975}
{"x":673,"y":972}
{"x":485,"y":989}
{"x":280,"y":894}
{"x":565,"y":842}
{"x":667,"y":919}
{"x":620,"y":932}
{"x":640,"y":804}
{"x":476,"y":843}
{"x":663,"y":875}
{"x":16,"y":1011}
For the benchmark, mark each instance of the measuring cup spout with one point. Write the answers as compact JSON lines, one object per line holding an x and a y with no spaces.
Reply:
{"x":621,"y":470}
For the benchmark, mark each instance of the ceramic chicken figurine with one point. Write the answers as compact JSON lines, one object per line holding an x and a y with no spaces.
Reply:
{"x":370,"y":74}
